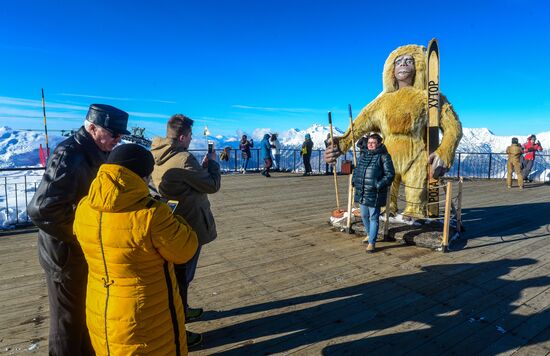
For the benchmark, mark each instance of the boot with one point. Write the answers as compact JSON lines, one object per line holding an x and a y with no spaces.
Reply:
{"x":370,"y":248}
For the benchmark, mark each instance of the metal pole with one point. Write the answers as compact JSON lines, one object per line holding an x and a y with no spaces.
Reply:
{"x":16,"y":206}
{"x":490,"y":160}
{"x":294,"y":161}
{"x":6,"y":191}
{"x":459,"y":206}
{"x":319,"y":152}
{"x":458,"y":173}
{"x":47,"y":154}
{"x":26,"y":199}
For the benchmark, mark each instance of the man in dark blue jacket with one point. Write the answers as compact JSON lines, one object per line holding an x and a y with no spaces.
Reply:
{"x":371,"y":179}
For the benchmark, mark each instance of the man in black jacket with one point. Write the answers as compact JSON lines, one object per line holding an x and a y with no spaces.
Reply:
{"x":69,"y":173}
{"x":371,"y":179}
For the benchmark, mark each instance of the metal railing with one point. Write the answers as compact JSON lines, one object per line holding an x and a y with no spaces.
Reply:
{"x":17,"y":185}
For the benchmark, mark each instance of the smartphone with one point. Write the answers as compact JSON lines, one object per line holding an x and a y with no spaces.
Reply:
{"x":210,"y":146}
{"x":173,"y":204}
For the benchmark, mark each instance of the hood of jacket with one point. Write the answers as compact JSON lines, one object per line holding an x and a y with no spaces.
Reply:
{"x":164,"y":148}
{"x":116,"y":189}
{"x":419,"y":54}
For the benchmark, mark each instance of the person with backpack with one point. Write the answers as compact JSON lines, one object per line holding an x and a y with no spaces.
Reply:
{"x":305,"y":152}
{"x":265,"y":150}
{"x":371,"y":179}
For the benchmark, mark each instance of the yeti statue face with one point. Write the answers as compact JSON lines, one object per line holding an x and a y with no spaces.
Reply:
{"x":404,"y":70}
{"x":405,"y":63}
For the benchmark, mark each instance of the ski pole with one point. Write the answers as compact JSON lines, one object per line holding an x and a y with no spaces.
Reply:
{"x":334,"y":170}
{"x":350,"y":186}
{"x":45,"y":125}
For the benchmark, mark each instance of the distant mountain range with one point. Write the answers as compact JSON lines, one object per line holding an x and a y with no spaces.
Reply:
{"x":20,"y":148}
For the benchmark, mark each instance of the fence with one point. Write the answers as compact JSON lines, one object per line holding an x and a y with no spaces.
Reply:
{"x":17,"y":185}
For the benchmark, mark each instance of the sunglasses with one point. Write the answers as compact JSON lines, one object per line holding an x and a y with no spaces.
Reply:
{"x":113,"y":134}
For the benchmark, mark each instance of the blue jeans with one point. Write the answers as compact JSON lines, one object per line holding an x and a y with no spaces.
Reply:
{"x":278,"y":161}
{"x":370,"y":216}
{"x":244,"y":164}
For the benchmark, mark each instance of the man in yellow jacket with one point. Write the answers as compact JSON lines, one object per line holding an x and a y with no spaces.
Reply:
{"x":131,"y":242}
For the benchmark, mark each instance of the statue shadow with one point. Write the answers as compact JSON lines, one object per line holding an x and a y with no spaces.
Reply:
{"x":391,"y":315}
{"x":504,"y":223}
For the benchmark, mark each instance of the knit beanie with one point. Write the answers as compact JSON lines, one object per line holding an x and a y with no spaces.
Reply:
{"x":134,"y":157}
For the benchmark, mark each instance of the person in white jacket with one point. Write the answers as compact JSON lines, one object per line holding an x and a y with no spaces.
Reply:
{"x":276,"y":150}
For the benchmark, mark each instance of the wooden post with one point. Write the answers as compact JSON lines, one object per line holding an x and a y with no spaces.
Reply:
{"x":387,"y":214}
{"x":448,"y":200}
{"x":350,"y":186}
{"x":459,"y":206}
{"x":335,"y":174}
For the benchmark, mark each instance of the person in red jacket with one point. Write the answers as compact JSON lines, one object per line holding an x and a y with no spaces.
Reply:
{"x":530,"y":147}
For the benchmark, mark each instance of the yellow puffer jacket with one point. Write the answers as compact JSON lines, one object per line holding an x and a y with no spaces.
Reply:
{"x":131,"y":242}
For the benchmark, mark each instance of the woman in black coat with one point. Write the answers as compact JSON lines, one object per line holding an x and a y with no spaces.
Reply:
{"x":371,"y":179}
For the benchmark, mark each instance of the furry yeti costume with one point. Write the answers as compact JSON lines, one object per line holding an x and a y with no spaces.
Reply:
{"x":400,"y":115}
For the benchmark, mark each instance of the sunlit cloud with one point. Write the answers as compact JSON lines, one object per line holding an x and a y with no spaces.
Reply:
{"x":116,"y":98}
{"x":149,"y":115}
{"x":17,"y":112}
{"x":38,"y":103}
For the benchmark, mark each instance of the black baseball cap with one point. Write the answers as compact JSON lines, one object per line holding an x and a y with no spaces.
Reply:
{"x":108,"y":117}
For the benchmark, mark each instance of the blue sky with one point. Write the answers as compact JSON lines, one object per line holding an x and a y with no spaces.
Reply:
{"x":265,"y":64}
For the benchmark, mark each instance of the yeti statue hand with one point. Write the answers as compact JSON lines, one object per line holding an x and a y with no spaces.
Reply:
{"x":332,"y":152}
{"x":437,"y":167}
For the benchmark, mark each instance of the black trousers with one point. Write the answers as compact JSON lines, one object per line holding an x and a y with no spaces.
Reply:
{"x":307,"y":163}
{"x":68,"y":331}
{"x":528,"y":165}
{"x":185,"y":273}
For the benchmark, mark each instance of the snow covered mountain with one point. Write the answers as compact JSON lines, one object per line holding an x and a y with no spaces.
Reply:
{"x":19,"y":148}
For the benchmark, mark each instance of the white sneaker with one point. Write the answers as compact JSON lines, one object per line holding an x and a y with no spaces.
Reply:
{"x":366,"y":240}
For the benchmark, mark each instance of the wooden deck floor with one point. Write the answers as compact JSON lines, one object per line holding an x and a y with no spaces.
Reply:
{"x":278,"y":280}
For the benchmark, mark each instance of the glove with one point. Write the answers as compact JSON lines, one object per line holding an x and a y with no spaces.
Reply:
{"x":332,"y":152}
{"x":437,"y":167}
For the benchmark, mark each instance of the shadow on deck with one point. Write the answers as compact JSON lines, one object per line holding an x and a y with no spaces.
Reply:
{"x":279,"y":280}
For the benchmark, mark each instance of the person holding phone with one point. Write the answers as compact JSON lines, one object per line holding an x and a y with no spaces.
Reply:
{"x":179,"y":176}
{"x":245,"y":145}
